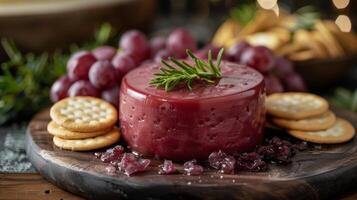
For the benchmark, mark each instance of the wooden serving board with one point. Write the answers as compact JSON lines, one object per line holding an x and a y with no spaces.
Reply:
{"x":321,"y":173}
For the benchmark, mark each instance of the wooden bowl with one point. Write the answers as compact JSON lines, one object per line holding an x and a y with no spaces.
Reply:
{"x":39,"y":25}
{"x":323,"y":73}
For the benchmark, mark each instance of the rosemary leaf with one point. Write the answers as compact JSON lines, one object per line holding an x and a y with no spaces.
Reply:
{"x":169,"y":76}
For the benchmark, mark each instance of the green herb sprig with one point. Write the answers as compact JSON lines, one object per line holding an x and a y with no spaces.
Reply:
{"x":345,"y":98}
{"x":306,"y":18}
{"x":169,"y":76}
{"x":243,"y":13}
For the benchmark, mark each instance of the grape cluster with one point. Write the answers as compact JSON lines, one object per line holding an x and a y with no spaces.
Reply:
{"x":99,"y":72}
{"x":279,"y":74}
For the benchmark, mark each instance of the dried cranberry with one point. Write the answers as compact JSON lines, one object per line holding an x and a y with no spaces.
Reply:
{"x":251,"y":162}
{"x":192,"y":168}
{"x":167,"y":167}
{"x":112,"y":154}
{"x":277,"y":150}
{"x":221,"y":161}
{"x":130,"y":164}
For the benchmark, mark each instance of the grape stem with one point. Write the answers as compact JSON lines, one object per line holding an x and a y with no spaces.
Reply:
{"x":169,"y":76}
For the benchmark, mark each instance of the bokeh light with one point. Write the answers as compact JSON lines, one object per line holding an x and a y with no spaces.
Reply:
{"x":344,"y":23}
{"x":340,"y":4}
{"x":267,"y":4}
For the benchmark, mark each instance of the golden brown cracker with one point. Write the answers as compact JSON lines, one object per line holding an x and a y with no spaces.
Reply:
{"x":342,"y":131}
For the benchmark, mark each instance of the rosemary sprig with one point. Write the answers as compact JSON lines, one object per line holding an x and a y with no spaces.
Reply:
{"x":169,"y":76}
{"x":306,"y":18}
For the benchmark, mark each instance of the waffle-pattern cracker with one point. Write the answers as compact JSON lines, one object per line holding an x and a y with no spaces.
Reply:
{"x":84,"y":114}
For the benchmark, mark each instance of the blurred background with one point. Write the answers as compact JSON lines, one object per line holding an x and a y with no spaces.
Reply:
{"x":39,"y":36}
{"x":38,"y":25}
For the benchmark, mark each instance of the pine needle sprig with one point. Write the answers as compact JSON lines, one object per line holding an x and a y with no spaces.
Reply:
{"x":169,"y":76}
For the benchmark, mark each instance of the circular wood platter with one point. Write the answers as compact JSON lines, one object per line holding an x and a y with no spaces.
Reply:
{"x":321,"y":173}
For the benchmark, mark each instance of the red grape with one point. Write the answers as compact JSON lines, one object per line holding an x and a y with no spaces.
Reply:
{"x":163,"y":54}
{"x":179,"y":40}
{"x":104,"y":52}
{"x":111,"y":96}
{"x":272,"y":84}
{"x":83,"y":88}
{"x":122,"y":63}
{"x":294,"y":82}
{"x":136,"y":44}
{"x":283,"y":66}
{"x":59,"y":89}
{"x":79,"y":64}
{"x":102,"y":74}
{"x":259,"y":57}
{"x":235,"y":52}
{"x":156,"y":44}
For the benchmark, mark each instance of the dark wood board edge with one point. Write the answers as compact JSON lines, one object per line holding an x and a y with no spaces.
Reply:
{"x":111,"y":188}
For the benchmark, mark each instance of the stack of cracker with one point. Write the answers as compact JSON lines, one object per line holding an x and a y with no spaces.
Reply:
{"x":83,"y":124}
{"x":307,"y":117}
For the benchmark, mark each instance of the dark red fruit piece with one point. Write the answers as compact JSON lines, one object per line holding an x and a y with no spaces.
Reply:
{"x":111,"y":96}
{"x":294,"y":82}
{"x":136,"y":44}
{"x":235,"y":52}
{"x":167,"y":167}
{"x":191,"y":168}
{"x":163,"y":54}
{"x":130,"y":164}
{"x":156,"y":44}
{"x":83,"y":88}
{"x":112,"y":154}
{"x":272,"y":84}
{"x":277,"y":150}
{"x":102,"y":74}
{"x":59,"y":89}
{"x":122,"y":63}
{"x":79,"y":64}
{"x":179,"y":40}
{"x":283,"y":67}
{"x":250,"y":162}
{"x":223,"y":162}
{"x":104,"y":52}
{"x":259,"y":57}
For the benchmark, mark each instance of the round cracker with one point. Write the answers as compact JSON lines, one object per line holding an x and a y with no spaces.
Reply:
{"x":321,"y":122}
{"x":295,"y":105}
{"x":342,"y":131}
{"x":84,"y":114}
{"x":89,"y":143}
{"x":56,"y":130}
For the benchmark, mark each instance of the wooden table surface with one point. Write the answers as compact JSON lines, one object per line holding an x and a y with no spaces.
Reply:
{"x":23,"y":186}
{"x":30,"y":186}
